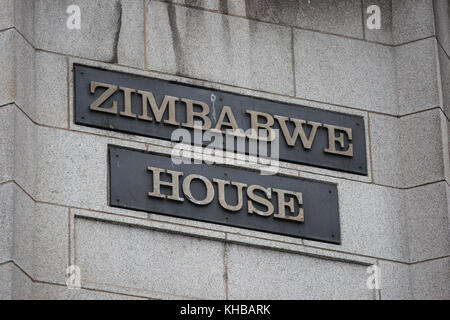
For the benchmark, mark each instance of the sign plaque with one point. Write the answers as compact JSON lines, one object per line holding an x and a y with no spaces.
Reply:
{"x":237,"y":197}
{"x":155,"y":108}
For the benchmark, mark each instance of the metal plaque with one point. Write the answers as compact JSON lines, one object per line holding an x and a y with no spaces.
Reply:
{"x":127,"y":103}
{"x":150,"y":182}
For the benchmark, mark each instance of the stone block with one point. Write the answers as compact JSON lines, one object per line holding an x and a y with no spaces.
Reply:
{"x":444,"y":65}
{"x":442,"y":23}
{"x":123,"y":256}
{"x":384,"y":33}
{"x":417,"y":76}
{"x":427,"y":214}
{"x":407,"y":151}
{"x":6,"y":281}
{"x":219,"y":48}
{"x":7,"y":143}
{"x":255,"y":273}
{"x":51,"y":104}
{"x":100,"y":36}
{"x":395,"y":281}
{"x":372,"y":222}
{"x":7,"y":63}
{"x":43,"y":254}
{"x":337,"y":17}
{"x":343,"y":71}
{"x":6,"y":222}
{"x":412,"y":20}
{"x":430,"y":279}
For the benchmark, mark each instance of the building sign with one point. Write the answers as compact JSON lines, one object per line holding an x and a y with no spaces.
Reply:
{"x":235,"y":197}
{"x":155,"y":108}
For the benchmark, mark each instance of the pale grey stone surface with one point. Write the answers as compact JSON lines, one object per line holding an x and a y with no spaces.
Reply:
{"x":43,"y":252}
{"x":6,"y":281}
{"x":417,"y":76}
{"x":7,"y":76}
{"x":427,"y":214}
{"x":6,"y":221}
{"x":18,"y":14}
{"x":205,"y":4}
{"x":372,"y":222}
{"x":100,"y":34}
{"x":24,"y":74}
{"x":6,"y":143}
{"x":7,"y":14}
{"x":51,"y":103}
{"x":73,"y":168}
{"x":384,"y":34}
{"x":339,"y":17}
{"x":395,"y":281}
{"x":43,"y":291}
{"x":131,"y":45}
{"x":209,"y":46}
{"x":412,"y":20}
{"x":442,"y":23}
{"x":255,"y":273}
{"x":344,"y":71}
{"x":17,"y":65}
{"x":21,"y":282}
{"x":24,"y":18}
{"x":444,"y":63}
{"x":407,"y":151}
{"x":430,"y":280}
{"x":144,"y":259}
{"x":25,"y":145}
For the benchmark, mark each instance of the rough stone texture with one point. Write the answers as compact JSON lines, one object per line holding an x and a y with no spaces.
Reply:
{"x":7,"y":14}
{"x":73,"y":168}
{"x":43,"y":252}
{"x":69,"y":168}
{"x":17,"y":65}
{"x":412,"y":20}
{"x":6,"y":281}
{"x":338,"y":17}
{"x":50,"y":106}
{"x":344,"y":71}
{"x":219,"y":48}
{"x":426,"y":210}
{"x":372,"y":222}
{"x":6,"y":143}
{"x":6,"y":221}
{"x":42,"y":291}
{"x":23,"y":18}
{"x":417,"y":76}
{"x":18,"y":14}
{"x":407,"y":152}
{"x":401,"y":21}
{"x":7,"y":76}
{"x":205,"y":4}
{"x":384,"y":34}
{"x":25,"y":145}
{"x":149,"y":260}
{"x":101,"y":26}
{"x":442,"y":23}
{"x":430,"y":280}
{"x":24,"y":74}
{"x":395,"y":282}
{"x":444,"y":63}
{"x":264,"y":274}
{"x":131,"y":46}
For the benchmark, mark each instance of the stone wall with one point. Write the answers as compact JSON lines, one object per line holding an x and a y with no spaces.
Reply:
{"x":53,"y":173}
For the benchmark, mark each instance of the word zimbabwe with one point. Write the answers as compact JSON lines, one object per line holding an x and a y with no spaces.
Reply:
{"x":158,"y":108}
